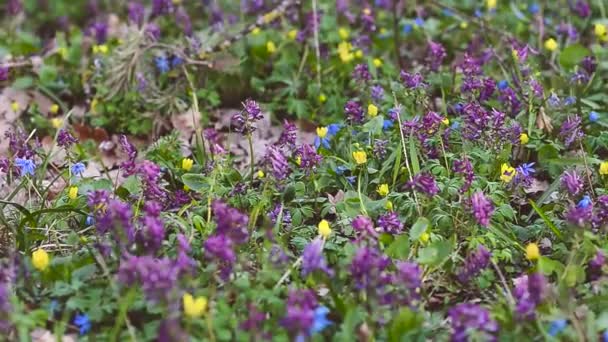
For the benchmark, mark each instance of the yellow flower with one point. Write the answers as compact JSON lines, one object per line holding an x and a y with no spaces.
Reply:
{"x":94,"y":104}
{"x":322,"y":132}
{"x":177,"y":2}
{"x":322,"y":98}
{"x":40,"y":259}
{"x":524,"y":139}
{"x":344,"y":52}
{"x":73,"y":192}
{"x":270,"y":47}
{"x":54,"y":109}
{"x":187,"y":164}
{"x":255,"y":31}
{"x":63,"y":52}
{"x":358,"y":53}
{"x":377,"y":62}
{"x":372,"y":110}
{"x":292,"y":34}
{"x":194,"y":307}
{"x":424,"y":238}
{"x":551,"y":44}
{"x":464,"y":25}
{"x":15,"y":106}
{"x":56,"y":122}
{"x":515,"y":55}
{"x":600,"y":31}
{"x":507,"y":173}
{"x":445,"y":121}
{"x":270,"y":16}
{"x":360,"y":157}
{"x":382,"y":30}
{"x":102,"y":49}
{"x":389,"y":206}
{"x":491,"y":4}
{"x":186,"y":188}
{"x":604,"y":168}
{"x":532,"y":252}
{"x":324,"y":229}
{"x":383,"y":190}
{"x":299,"y":160}
{"x":343,"y":32}
{"x":261,"y":174}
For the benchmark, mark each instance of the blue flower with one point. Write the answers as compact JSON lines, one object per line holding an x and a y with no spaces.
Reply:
{"x":176,"y":61}
{"x":83,"y":323}
{"x":557,"y":326}
{"x":162,"y":64}
{"x":554,"y":100}
{"x":89,"y":221}
{"x":407,"y":28}
{"x":419,"y":21}
{"x":594,"y":116}
{"x":321,"y":321}
{"x":605,"y":336}
{"x":340,"y":170}
{"x":533,"y":8}
{"x":503,"y":84}
{"x":387,"y":124}
{"x":351,"y":179}
{"x":478,"y":13}
{"x":455,"y":125}
{"x":332,"y":130}
{"x":447,"y":12}
{"x":570,"y":100}
{"x":77,"y":169}
{"x":526,"y":169}
{"x":584,"y":203}
{"x":26,"y":166}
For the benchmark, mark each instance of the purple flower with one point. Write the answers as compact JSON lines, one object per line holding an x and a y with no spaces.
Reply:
{"x":115,"y":217}
{"x":230,"y":222}
{"x":467,"y":317}
{"x":161,"y":7}
{"x":300,"y":312}
{"x":4,"y":71}
{"x":379,"y":149}
{"x":254,"y":320}
{"x":435,"y":55}
{"x":482,"y":208}
{"x":369,"y":270}
{"x":26,"y":166}
{"x":152,"y":234}
{"x":153,"y":31}
{"x":274,"y":215}
{"x":390,"y":223}
{"x":579,"y":215}
{"x":219,"y":248}
{"x":589,"y":64}
{"x":170,"y":330}
{"x":156,"y":276}
{"x":99,"y":31}
{"x":364,"y":227}
{"x":288,"y":136}
{"x":308,"y":157}
{"x":183,"y":19}
{"x":136,"y":12}
{"x":313,"y":259}
{"x":474,"y":264}
{"x":595,"y":265}
{"x":571,"y":131}
{"x":361,"y":73}
{"x":412,"y":81}
{"x":65,"y":139}
{"x":572,"y":182}
{"x":244,"y":120}
{"x":425,"y":183}
{"x":601,"y":216}
{"x":377,"y":93}
{"x":354,"y":111}
{"x":529,"y":292}
{"x":278,"y":163}
{"x":14,"y":7}
{"x":581,"y":8}
{"x":464,"y":167}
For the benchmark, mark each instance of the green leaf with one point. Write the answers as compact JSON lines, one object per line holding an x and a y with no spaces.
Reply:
{"x":572,"y":55}
{"x":548,"y":222}
{"x":400,"y":248}
{"x":421,"y":225}
{"x":195,"y":181}
{"x":414,"y":156}
{"x":435,"y":254}
{"x":23,"y":83}
{"x":404,"y":323}
{"x":374,"y":125}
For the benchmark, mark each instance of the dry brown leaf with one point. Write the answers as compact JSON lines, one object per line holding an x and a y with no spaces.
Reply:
{"x":43,"y":335}
{"x":543,"y":121}
{"x":536,"y":186}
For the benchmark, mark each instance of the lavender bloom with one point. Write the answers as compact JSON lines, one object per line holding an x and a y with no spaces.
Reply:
{"x":369,"y":270}
{"x":390,"y":223}
{"x":99,"y":31}
{"x":161,"y":7}
{"x":308,"y":157}
{"x":572,"y":182}
{"x":377,"y":93}
{"x":65,"y":139}
{"x":18,"y":144}
{"x":361,"y":73}
{"x":435,"y":55}
{"x":254,"y":321}
{"x":170,"y":330}
{"x":4,"y":71}
{"x":379,"y":149}
{"x":14,"y":7}
{"x":589,"y":64}
{"x":183,"y":19}
{"x":288,"y":136}
{"x":215,"y":141}
{"x":364,"y":227}
{"x":277,"y":256}
{"x":408,"y":279}
{"x":153,"y":31}
{"x":529,"y":292}
{"x":274,"y":215}
{"x":595,"y":265}
{"x":571,"y":131}
{"x":300,"y":314}
{"x":7,"y":278}
{"x":26,"y":166}
{"x":184,"y":262}
{"x":278,"y":163}
{"x":466,"y":317}
{"x":523,"y":174}
{"x":425,"y":183}
{"x":313,"y":259}
{"x":412,"y":81}
{"x":156,"y":276}
{"x":601,"y":216}
{"x":117,"y":219}
{"x":482,"y":208}
{"x":136,"y":12}
{"x":464,"y":167}
{"x":230,"y":222}
{"x":474,"y":264}
{"x":128,"y":166}
{"x":244,"y":121}
{"x":152,"y":234}
{"x":509,"y":98}
{"x":354,"y":111}
{"x":579,"y":215}
{"x":581,"y":8}
{"x":219,"y":248}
